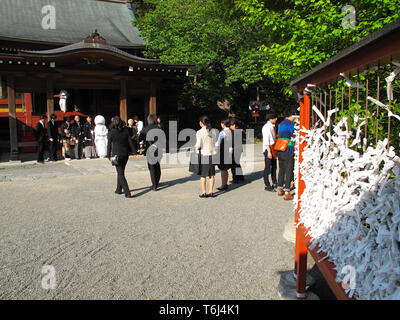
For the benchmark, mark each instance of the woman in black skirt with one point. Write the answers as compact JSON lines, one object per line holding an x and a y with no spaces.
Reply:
{"x":206,"y":138}
{"x":224,"y":145}
{"x":119,"y":144}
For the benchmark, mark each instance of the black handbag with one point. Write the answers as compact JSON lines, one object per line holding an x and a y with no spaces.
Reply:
{"x":115,"y":161}
{"x":194,"y":163}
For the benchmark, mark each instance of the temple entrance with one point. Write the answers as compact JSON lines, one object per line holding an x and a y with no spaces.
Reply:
{"x":105,"y":102}
{"x":96,"y":101}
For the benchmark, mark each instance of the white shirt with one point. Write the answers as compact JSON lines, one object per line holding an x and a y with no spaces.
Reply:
{"x":139,"y":126}
{"x":205,"y":141}
{"x":269,"y":136}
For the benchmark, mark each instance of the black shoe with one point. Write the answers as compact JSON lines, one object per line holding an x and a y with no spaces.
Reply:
{"x":118,"y":192}
{"x":210,"y":195}
{"x":129,"y":196}
{"x":222,"y":188}
{"x":269,"y":188}
{"x":204,"y":195}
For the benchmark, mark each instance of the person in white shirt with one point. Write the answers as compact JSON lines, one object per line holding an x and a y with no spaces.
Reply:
{"x":139,"y":128}
{"x":225,"y":148}
{"x":269,"y":139}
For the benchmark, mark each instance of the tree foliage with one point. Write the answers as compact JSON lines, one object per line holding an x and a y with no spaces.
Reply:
{"x":300,"y":34}
{"x":236,"y":45}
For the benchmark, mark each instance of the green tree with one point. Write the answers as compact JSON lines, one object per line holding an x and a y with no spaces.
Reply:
{"x":238,"y":45}
{"x":300,"y":34}
{"x":213,"y":36}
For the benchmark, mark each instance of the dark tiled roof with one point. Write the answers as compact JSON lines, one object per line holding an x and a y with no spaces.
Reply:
{"x":75,"y":20}
{"x":88,"y":46}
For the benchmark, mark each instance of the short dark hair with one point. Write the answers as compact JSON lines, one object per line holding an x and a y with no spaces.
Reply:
{"x":270,"y":116}
{"x":151,"y":119}
{"x":290,"y":112}
{"x":116,"y":123}
{"x":204,"y":120}
{"x":226,"y":122}
{"x":43,"y":116}
{"x":53,"y":116}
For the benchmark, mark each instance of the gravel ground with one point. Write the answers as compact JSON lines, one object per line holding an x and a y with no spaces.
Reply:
{"x":168,"y":244}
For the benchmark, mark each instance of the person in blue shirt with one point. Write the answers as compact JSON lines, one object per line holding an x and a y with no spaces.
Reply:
{"x":286,"y":158}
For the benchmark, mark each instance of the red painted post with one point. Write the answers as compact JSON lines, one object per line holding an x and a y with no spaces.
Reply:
{"x":300,"y":247}
{"x":28,"y":109}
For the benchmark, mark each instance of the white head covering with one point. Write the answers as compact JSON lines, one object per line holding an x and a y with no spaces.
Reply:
{"x":99,"y":120}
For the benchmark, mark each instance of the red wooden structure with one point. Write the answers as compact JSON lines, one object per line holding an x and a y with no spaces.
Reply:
{"x":380,"y":48}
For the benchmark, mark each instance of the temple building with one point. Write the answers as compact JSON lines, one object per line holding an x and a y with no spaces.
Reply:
{"x":84,"y":50}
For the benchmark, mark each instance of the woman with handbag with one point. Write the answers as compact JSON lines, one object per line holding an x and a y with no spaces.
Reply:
{"x":285,"y":149}
{"x":119,"y":146}
{"x":206,"y":138}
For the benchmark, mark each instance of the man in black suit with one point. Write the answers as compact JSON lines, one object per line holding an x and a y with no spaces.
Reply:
{"x":154,"y":149}
{"x":77,"y":135}
{"x":40,"y":135}
{"x":52,"y":133}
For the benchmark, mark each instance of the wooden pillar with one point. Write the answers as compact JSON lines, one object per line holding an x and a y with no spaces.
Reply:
{"x":123,"y":113}
{"x":12,"y":116}
{"x":153,"y":98}
{"x":50,"y":97}
{"x":28,"y":108}
{"x":300,"y":247}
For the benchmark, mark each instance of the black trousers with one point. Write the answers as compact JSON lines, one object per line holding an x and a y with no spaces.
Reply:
{"x":41,"y":147}
{"x":269,"y":169}
{"x":122,"y":184}
{"x":237,"y":172}
{"x":286,"y":167}
{"x":53,"y":150}
{"x":78,"y":149}
{"x":155,"y":173}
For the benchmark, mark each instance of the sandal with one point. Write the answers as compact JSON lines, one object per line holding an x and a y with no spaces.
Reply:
{"x":204,"y":195}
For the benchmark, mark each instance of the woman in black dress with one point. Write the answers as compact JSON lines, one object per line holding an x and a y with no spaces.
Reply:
{"x":225,"y":148}
{"x":119,"y":144}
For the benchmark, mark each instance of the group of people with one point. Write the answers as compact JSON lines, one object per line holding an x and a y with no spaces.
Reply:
{"x":218,"y":149}
{"x":213,"y":148}
{"x":77,"y":139}
{"x":121,"y":145}
{"x":270,"y":134}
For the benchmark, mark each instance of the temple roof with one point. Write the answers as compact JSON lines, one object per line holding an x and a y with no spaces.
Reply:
{"x":22,"y":20}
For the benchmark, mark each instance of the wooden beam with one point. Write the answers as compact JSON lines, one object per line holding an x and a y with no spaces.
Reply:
{"x":123,"y":102}
{"x":12,"y":116}
{"x":50,"y":97}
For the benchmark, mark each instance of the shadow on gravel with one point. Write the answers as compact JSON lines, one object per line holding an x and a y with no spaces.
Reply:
{"x":167,"y":184}
{"x":319,"y":286}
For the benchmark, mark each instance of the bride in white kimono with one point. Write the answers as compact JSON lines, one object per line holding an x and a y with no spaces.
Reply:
{"x":100,"y":133}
